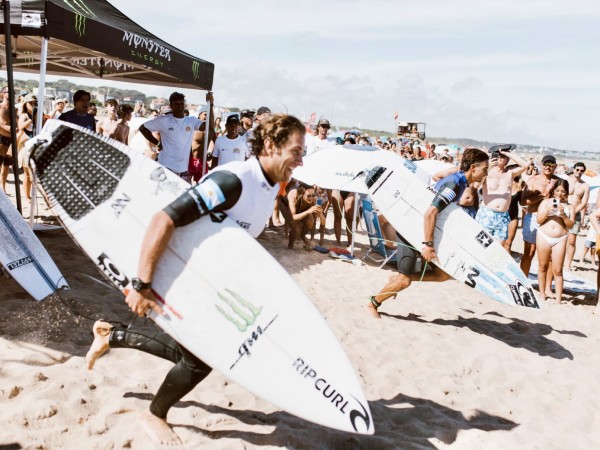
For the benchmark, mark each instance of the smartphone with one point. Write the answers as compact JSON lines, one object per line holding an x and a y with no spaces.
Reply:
{"x":319,"y":201}
{"x":495,"y":155}
{"x":555,"y":203}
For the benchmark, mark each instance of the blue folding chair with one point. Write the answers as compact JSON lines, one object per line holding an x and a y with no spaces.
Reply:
{"x":376,"y":239}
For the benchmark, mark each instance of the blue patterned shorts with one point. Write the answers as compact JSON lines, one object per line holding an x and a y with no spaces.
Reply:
{"x":494,"y":222}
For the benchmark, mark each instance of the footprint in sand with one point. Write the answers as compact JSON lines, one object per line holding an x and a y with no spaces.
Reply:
{"x":41,"y":412}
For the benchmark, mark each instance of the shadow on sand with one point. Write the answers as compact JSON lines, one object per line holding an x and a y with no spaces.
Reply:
{"x":400,"y":422}
{"x":518,"y":334}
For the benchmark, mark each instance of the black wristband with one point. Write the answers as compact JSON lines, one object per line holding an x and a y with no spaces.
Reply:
{"x":428,"y":243}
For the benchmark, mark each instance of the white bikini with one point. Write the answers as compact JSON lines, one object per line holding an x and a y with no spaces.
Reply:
{"x":552,"y":241}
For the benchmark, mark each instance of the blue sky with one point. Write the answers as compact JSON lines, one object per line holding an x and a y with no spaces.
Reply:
{"x":524,"y":71}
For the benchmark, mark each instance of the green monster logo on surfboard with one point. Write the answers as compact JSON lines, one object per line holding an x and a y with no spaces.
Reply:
{"x":245,"y":311}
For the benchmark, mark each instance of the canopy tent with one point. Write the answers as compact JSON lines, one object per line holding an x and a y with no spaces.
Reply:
{"x":94,"y":39}
{"x":88,"y":38}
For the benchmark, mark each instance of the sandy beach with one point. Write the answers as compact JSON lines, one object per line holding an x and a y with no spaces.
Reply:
{"x":445,"y":367}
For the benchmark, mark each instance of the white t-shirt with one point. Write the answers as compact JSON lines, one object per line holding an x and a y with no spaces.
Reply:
{"x":314,"y":144}
{"x":228,"y":150}
{"x":255,"y":205}
{"x":176,"y":137}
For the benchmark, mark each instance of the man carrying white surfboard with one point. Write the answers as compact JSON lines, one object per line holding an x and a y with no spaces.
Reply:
{"x":473,"y":168}
{"x":246,"y":192}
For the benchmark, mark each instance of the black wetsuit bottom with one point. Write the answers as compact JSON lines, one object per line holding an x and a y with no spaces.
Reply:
{"x":181,"y":379}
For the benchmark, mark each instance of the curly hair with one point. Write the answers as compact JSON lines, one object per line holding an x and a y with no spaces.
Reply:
{"x":472,"y":156}
{"x":278,"y":128}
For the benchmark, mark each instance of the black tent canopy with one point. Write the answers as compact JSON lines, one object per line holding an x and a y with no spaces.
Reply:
{"x":91,"y":38}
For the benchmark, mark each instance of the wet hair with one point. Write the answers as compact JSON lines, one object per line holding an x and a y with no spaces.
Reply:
{"x":175,"y":96}
{"x":560,"y":182}
{"x":277,"y":128}
{"x":472,"y":156}
{"x":580,"y":164}
{"x":112,"y":101}
{"x":80,"y":94}
{"x":124,"y":110}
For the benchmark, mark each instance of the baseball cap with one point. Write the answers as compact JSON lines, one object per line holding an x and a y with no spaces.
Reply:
{"x":263,"y":110}
{"x":201,"y":110}
{"x":246,"y":113}
{"x":549,"y":158}
{"x":232,"y":118}
{"x":23,"y":93}
{"x":324,"y":122}
{"x":165,"y":110}
{"x":62,"y":100}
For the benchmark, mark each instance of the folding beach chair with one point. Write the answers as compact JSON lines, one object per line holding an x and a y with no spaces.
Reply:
{"x":376,"y":238}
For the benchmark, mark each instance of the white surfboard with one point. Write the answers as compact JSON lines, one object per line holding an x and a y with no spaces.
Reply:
{"x":227,"y":300}
{"x":464,"y":249}
{"x":23,"y":255}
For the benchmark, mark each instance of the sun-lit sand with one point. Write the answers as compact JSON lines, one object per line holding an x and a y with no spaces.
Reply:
{"x":445,"y":367}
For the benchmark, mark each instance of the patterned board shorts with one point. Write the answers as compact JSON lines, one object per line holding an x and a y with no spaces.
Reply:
{"x":494,"y":222}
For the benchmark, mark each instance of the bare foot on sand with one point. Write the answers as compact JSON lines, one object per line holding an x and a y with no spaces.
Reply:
{"x":158,"y":429}
{"x":99,"y":347}
{"x":372,"y":311}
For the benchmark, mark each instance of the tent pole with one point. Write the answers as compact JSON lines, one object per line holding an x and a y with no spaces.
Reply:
{"x":206,"y":138}
{"x":354,"y":216}
{"x":42,"y":87}
{"x":39,"y":121}
{"x":11,"y":100}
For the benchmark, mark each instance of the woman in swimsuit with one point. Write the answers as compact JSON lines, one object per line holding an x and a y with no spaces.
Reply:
{"x":555,"y":217}
{"x":304,"y":212}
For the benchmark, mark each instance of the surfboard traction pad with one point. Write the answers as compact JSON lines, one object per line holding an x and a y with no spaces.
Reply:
{"x":78,"y":170}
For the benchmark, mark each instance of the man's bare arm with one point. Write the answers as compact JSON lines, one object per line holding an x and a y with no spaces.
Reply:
{"x":147,"y":134}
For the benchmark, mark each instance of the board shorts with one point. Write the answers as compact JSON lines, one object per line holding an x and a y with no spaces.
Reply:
{"x":577,"y":225}
{"x":408,"y":260}
{"x":494,"y":222}
{"x":589,"y":244}
{"x":530,"y":227}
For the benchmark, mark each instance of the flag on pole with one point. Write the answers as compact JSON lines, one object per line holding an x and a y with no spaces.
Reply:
{"x":396,"y":115}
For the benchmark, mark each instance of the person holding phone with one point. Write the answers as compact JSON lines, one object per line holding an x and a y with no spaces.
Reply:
{"x":555,"y":217}
{"x":493,"y":213}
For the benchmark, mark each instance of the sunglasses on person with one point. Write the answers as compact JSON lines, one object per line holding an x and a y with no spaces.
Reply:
{"x":312,"y":195}
{"x":580,"y":170}
{"x":549,"y":164}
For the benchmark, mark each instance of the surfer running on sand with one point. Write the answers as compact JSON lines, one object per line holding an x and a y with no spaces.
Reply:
{"x":246,"y":192}
{"x":473,"y":168}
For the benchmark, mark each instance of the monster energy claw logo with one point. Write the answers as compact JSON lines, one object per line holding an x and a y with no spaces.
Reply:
{"x":80,"y":24}
{"x":245,"y":311}
{"x":196,"y":69}
{"x":81,"y":10}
